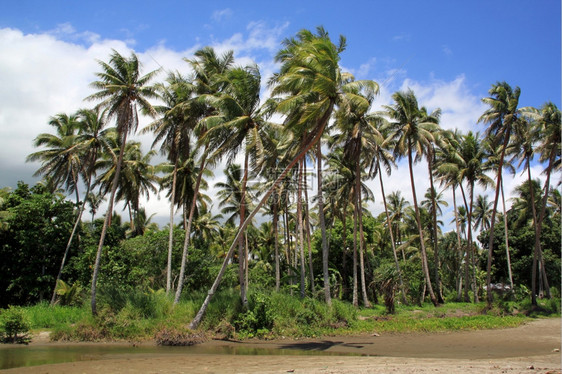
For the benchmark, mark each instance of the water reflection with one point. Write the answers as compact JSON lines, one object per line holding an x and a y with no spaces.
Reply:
{"x":18,"y":356}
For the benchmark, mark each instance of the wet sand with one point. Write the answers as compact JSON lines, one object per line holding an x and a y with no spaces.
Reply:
{"x":532,"y":348}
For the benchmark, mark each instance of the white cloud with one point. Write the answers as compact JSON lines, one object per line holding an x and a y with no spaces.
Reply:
{"x":219,"y":15}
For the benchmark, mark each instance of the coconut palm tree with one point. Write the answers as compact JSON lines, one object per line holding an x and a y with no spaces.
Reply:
{"x":173,"y":130}
{"x":472,"y":170}
{"x":92,"y":140}
{"x":412,"y":130}
{"x":137,"y":177}
{"x":62,"y":160}
{"x":381,"y":155}
{"x":482,"y":212}
{"x":492,"y":163}
{"x":501,"y":116}
{"x":207,"y":68}
{"x":308,"y":86}
{"x":357,"y":133}
{"x":549,"y":121}
{"x":239,"y":124}
{"x":448,"y":162}
{"x":121,"y":89}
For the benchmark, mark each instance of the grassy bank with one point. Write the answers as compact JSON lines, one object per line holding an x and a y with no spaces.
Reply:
{"x":145,"y":316}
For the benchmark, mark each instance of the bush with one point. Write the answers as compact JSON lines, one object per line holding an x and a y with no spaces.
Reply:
{"x":14,"y":326}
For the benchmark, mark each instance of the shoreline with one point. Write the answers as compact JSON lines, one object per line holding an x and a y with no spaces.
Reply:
{"x":535,"y":344}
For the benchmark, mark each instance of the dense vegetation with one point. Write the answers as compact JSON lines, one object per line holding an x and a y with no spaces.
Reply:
{"x":327,"y":249}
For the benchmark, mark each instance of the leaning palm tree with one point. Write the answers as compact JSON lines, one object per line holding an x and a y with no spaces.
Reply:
{"x":173,"y":129}
{"x":92,"y":140}
{"x":121,"y":89}
{"x":208,"y":69}
{"x":412,"y":130}
{"x":238,"y":125}
{"x":501,"y":116}
{"x":310,"y":83}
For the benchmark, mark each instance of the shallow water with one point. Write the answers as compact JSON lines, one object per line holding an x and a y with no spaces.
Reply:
{"x":32,"y":355}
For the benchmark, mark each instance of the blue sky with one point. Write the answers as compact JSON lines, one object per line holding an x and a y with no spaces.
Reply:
{"x":449,"y":52}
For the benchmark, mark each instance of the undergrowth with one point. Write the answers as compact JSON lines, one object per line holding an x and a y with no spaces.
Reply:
{"x":151,"y":315}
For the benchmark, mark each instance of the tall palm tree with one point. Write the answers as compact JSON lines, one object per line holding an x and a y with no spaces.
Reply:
{"x":92,"y":140}
{"x":472,"y":170}
{"x":501,"y":116}
{"x":173,"y":129}
{"x":412,"y":130}
{"x":382,"y":156}
{"x":207,"y":68}
{"x":448,"y":163}
{"x":238,"y":124}
{"x":358,"y":134}
{"x":549,"y":121}
{"x":492,"y":164}
{"x":311,"y":83}
{"x":121,"y":89}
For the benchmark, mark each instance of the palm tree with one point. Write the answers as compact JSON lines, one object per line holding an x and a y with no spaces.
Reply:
{"x":311,"y":79}
{"x":208,"y":68}
{"x":92,"y":139}
{"x":173,"y":129}
{"x":121,"y":89}
{"x":238,"y":124}
{"x":472,"y":170}
{"x":411,"y":131}
{"x":448,"y":163}
{"x":501,"y":117}
{"x":482,"y":212}
{"x":62,"y":160}
{"x":358,"y":134}
{"x":492,"y":164}
{"x":549,"y":121}
{"x":381,"y":155}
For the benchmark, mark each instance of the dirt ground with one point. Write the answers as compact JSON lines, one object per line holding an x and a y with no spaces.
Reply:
{"x":532,"y":348}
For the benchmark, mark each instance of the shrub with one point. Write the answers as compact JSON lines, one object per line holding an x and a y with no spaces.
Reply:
{"x":14,"y":326}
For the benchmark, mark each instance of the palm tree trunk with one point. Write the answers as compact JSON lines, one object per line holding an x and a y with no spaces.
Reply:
{"x":467,"y":255}
{"x":366,"y":302}
{"x":490,"y":297}
{"x":546,"y":191}
{"x":439,"y":287}
{"x":506,"y":235}
{"x":425,"y":266}
{"x":355,"y":280}
{"x":388,"y":223}
{"x":459,"y":246}
{"x":241,"y":247}
{"x":67,"y":249}
{"x":106,"y":223}
{"x":171,"y":236}
{"x":314,"y":140}
{"x":307,"y":222}
{"x":345,"y":285}
{"x":300,"y":237}
{"x":325,"y":249}
{"x":188,"y":228}
{"x":276,"y":238}
{"x":470,"y":246}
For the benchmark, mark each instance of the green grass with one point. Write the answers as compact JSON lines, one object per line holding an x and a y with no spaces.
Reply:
{"x":143,"y":315}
